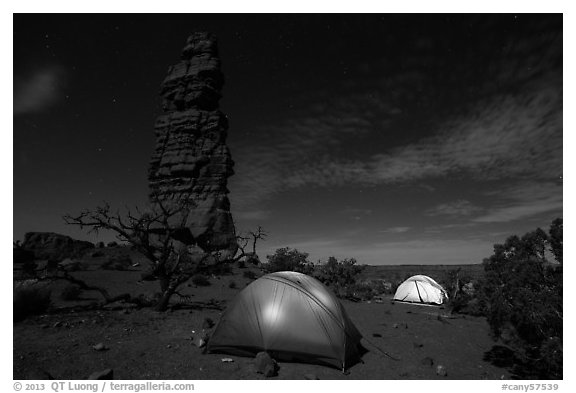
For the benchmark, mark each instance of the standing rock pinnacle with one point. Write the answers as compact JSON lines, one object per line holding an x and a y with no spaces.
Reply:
{"x":191,"y":162}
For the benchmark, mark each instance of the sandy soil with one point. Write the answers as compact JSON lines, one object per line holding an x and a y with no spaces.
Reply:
{"x":144,"y":344}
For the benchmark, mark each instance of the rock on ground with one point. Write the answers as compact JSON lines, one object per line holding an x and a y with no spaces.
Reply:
{"x":264,"y":364}
{"x":104,"y":374}
{"x":441,"y":370}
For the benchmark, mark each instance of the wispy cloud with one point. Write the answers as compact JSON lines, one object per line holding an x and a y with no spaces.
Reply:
{"x":511,"y":129}
{"x":445,"y":228}
{"x":37,"y":91}
{"x":285,"y":152}
{"x":508,"y":136}
{"x":523,"y":201}
{"x":395,"y":230}
{"x":252,"y":215}
{"x":454,"y":209}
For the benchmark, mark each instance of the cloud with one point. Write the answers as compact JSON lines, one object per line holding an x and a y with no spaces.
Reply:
{"x":503,"y":136}
{"x":511,"y":128}
{"x":442,"y":229}
{"x":37,"y":91}
{"x":523,"y":201}
{"x":252,"y":215}
{"x":284,"y":152}
{"x":396,"y":230}
{"x":507,"y":136}
{"x":513,"y":202}
{"x":454,"y":209}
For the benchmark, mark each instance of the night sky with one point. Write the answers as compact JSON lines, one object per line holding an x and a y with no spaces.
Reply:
{"x":393,"y":139}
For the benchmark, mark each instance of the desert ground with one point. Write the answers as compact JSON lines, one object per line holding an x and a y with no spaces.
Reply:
{"x":404,"y":341}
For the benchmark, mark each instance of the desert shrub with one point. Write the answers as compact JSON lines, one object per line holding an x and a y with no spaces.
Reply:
{"x":523,"y":296}
{"x":286,"y":259}
{"x":26,"y":259}
{"x":232,"y":285}
{"x":360,"y":291}
{"x":252,"y":258}
{"x":146,"y":301}
{"x":460,"y":299}
{"x":100,"y":245}
{"x":249,"y":274}
{"x":21,"y":255}
{"x":29,"y":268}
{"x":451,"y":282}
{"x":468,"y":304}
{"x":241,"y":264}
{"x":340,"y":276}
{"x":365,"y":290}
{"x":556,"y":239}
{"x":30,"y":300}
{"x":71,"y":292}
{"x":200,"y":280}
{"x":395,"y":284}
{"x":379,"y":286}
{"x":551,"y":351}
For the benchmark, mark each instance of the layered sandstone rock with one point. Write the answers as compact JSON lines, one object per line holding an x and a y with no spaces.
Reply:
{"x":191,"y":162}
{"x":50,"y":245}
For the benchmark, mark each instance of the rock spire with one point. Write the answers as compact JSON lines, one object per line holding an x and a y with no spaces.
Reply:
{"x":191,"y":162}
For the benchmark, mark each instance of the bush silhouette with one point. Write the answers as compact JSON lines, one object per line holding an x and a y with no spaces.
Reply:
{"x":341,"y":277}
{"x":522,"y":292}
{"x":30,"y":300}
{"x":286,"y":259}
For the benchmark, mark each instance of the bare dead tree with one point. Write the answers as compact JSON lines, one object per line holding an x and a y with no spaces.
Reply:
{"x":260,"y":234}
{"x":243,"y":242}
{"x":157,"y":234}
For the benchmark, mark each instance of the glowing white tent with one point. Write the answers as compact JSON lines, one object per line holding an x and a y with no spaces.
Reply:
{"x":421,"y":289}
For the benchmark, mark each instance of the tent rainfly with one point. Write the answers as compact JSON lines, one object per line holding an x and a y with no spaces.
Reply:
{"x":291,"y":316}
{"x":421,"y":289}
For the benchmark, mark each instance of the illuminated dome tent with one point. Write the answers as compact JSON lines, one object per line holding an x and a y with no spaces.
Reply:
{"x":291,"y":316}
{"x":421,"y":289}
